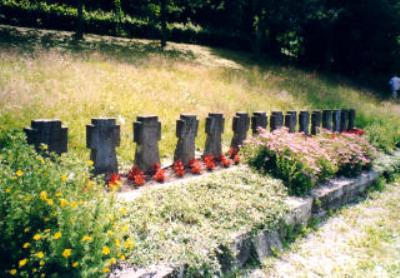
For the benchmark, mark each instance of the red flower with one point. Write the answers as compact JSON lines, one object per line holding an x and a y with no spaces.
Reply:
{"x":159,"y":175}
{"x":209,"y":162}
{"x":224,"y":161}
{"x":195,"y":166}
{"x":233,"y":151}
{"x":114,"y":183}
{"x":356,"y":131}
{"x":236,"y":159}
{"x":137,"y":176}
{"x":179,"y":168}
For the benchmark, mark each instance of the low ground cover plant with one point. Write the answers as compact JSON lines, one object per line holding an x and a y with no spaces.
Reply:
{"x":55,"y":218}
{"x":303,"y":161}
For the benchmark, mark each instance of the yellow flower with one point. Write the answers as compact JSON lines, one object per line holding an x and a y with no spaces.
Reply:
{"x":47,"y":231}
{"x":27,"y":229}
{"x":67,"y":253}
{"x":90,"y":163}
{"x":63,"y":202}
{"x":123,"y":211}
{"x":19,"y":173}
{"x":122,"y":257}
{"x":106,"y":270}
{"x":41,"y":160}
{"x":117,"y":242}
{"x":40,"y":255}
{"x":86,"y":238}
{"x":113,"y":261}
{"x":43,"y":195}
{"x":22,"y":262}
{"x":57,"y":235}
{"x":110,"y":233}
{"x":58,"y":194}
{"x":42,"y":275}
{"x":8,"y":190}
{"x":26,"y":245}
{"x":37,"y":237}
{"x":90,"y":185}
{"x":13,"y":272}
{"x":50,"y":202}
{"x":44,"y":147}
{"x":64,"y":178}
{"x":129,"y":244}
{"x":125,"y":228}
{"x":105,"y":250}
{"x":41,"y":263}
{"x":74,"y":204}
{"x":75,"y":264}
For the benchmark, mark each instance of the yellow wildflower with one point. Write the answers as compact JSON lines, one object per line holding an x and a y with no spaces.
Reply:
{"x":106,"y":270}
{"x":113,"y":261}
{"x":37,"y":237}
{"x":117,"y":242}
{"x":41,"y":160}
{"x":125,"y":228}
{"x":58,"y":194}
{"x":86,"y":238}
{"x":41,"y":263}
{"x":64,"y":178}
{"x":90,"y":163}
{"x":129,"y":244}
{"x":22,"y":262}
{"x":122,"y":257}
{"x":57,"y":235}
{"x":50,"y":202}
{"x":43,"y":195}
{"x":74,"y":204}
{"x":47,"y":231}
{"x":13,"y":272}
{"x":67,"y":253}
{"x":19,"y":173}
{"x":40,"y":255}
{"x":110,"y":233}
{"x":26,"y":245}
{"x":105,"y":250}
{"x":63,"y":202}
{"x":8,"y":190}
{"x":123,"y":211}
{"x":44,"y":147}
{"x":75,"y":264}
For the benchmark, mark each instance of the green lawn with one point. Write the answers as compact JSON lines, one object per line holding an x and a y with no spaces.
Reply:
{"x":45,"y":74}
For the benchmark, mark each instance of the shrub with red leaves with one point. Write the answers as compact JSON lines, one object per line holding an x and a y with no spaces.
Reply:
{"x":179,"y":168}
{"x":224,"y":161}
{"x":236,"y":159}
{"x":136,"y":176}
{"x":209,"y":162}
{"x":195,"y":166}
{"x":159,"y":173}
{"x":233,"y":151}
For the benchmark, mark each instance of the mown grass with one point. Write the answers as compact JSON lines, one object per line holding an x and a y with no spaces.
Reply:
{"x":47,"y":74}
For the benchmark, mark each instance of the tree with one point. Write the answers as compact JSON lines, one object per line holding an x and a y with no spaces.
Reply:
{"x":163,"y":19}
{"x":79,"y":25}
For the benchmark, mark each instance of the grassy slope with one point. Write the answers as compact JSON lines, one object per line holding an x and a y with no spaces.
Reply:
{"x":46,"y":74}
{"x":361,"y":241}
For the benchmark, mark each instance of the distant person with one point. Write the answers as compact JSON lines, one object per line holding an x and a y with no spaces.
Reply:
{"x":394,"y":83}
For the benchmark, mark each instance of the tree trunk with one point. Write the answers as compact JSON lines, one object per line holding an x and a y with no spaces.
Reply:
{"x":163,"y":18}
{"x":79,"y":25}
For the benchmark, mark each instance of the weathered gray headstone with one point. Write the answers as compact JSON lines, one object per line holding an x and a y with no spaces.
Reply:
{"x":327,"y":119}
{"x":186,"y":131}
{"x":336,"y":120}
{"x":146,"y":134}
{"x":215,"y":123}
{"x":291,"y":121}
{"x":276,"y":120}
{"x":48,"y":132}
{"x":304,"y":121}
{"x":352,"y":117}
{"x":240,"y":126}
{"x":102,"y":137}
{"x":343,"y":120}
{"x":258,"y":120}
{"x":315,"y":122}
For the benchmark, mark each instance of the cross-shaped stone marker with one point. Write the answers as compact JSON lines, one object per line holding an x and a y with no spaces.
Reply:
{"x":240,"y":126}
{"x":276,"y":121}
{"x":48,"y":132}
{"x":102,"y":137}
{"x":146,"y":134}
{"x":258,"y":120}
{"x":186,"y":131}
{"x":327,"y":119}
{"x":291,"y":121}
{"x":343,"y":120}
{"x":336,"y":120}
{"x":315,"y":122}
{"x":304,"y":121}
{"x":215,"y":123}
{"x":352,"y":117}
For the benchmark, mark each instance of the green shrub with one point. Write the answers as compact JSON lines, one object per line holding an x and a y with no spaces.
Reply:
{"x":54,"y":217}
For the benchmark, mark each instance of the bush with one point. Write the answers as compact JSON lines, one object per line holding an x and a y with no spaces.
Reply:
{"x":54,"y":217}
{"x":302,"y":161}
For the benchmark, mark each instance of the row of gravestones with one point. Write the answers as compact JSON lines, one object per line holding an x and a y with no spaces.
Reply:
{"x":103,"y":135}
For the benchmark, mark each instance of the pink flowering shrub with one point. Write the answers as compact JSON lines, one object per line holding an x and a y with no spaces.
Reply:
{"x":303,"y":161}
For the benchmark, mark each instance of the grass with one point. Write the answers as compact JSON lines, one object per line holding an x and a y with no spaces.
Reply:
{"x":360,"y":241}
{"x":45,"y":74}
{"x":190,"y":221}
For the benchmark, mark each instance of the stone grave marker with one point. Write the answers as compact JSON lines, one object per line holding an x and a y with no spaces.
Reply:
{"x":291,"y":121}
{"x":240,"y":126}
{"x":215,"y":123}
{"x":315,"y":122}
{"x":336,"y":120}
{"x":327,"y":119}
{"x":304,"y":121}
{"x":186,"y":131}
{"x":352,"y":117}
{"x":258,"y":120}
{"x":343,"y":120}
{"x":276,"y":121}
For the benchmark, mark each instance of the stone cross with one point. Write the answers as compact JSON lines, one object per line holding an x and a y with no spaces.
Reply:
{"x":50,"y":133}
{"x":304,"y":120}
{"x":186,"y":131}
{"x":258,"y":120}
{"x":352,"y":116}
{"x":291,"y":121}
{"x":102,"y":137}
{"x":315,"y":122}
{"x":276,"y":120}
{"x":215,"y":123}
{"x":343,"y":120}
{"x":146,"y":134}
{"x":327,"y":119}
{"x":336,"y":120}
{"x":240,"y":126}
